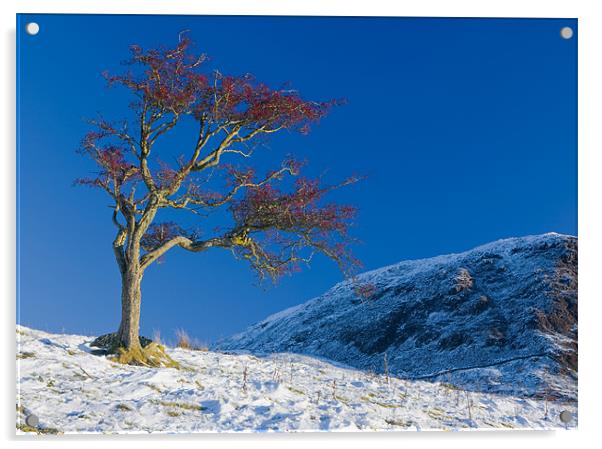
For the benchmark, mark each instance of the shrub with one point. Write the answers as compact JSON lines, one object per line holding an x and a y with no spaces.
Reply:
{"x":185,"y":342}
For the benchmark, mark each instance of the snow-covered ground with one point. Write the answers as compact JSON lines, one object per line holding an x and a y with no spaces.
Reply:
{"x":71,"y":390}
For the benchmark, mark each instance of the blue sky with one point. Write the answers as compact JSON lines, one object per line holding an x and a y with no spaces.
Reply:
{"x":465,"y":128}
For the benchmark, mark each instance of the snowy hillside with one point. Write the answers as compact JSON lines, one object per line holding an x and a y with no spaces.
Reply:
{"x":71,"y":390}
{"x":501,"y":318}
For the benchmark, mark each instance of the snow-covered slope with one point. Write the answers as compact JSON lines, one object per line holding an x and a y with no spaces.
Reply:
{"x":501,"y":317}
{"x":71,"y":390}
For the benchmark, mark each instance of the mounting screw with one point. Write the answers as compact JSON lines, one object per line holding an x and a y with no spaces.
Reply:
{"x":32,"y":420}
{"x":566,"y":32}
{"x":32,"y":28}
{"x":566,"y":416}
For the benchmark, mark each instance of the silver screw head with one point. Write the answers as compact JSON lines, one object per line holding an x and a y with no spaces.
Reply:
{"x":32,"y":420}
{"x":32,"y":28}
{"x":566,"y":32}
{"x":566,"y":416}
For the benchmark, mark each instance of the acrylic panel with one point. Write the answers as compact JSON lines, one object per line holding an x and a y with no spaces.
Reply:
{"x":295,"y":224}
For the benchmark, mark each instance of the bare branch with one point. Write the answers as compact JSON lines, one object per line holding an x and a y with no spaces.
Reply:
{"x":184,"y":201}
{"x":187,"y":244}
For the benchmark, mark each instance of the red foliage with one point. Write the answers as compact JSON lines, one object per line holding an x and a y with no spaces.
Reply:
{"x":165,"y":175}
{"x":366,"y":290}
{"x":159,"y":233}
{"x":171,"y":81}
{"x":295,"y":221}
{"x":276,"y":230}
{"x":236,"y":176}
{"x":266,"y":206}
{"x":109,"y":157}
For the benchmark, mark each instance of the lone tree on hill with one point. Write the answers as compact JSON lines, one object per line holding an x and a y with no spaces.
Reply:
{"x":274,"y":229}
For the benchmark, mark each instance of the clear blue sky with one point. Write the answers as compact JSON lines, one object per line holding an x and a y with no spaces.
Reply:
{"x":466,"y":130}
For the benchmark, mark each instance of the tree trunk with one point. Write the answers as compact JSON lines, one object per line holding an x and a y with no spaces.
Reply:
{"x":129,"y":329}
{"x":127,"y":253}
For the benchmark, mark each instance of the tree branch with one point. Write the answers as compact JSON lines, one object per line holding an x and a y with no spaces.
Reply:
{"x":187,"y":244}
{"x":213,"y":158}
{"x":184,"y":201}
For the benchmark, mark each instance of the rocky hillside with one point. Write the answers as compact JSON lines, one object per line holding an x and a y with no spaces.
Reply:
{"x":501,"y":317}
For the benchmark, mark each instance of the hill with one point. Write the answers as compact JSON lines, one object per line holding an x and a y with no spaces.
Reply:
{"x":500,"y":318}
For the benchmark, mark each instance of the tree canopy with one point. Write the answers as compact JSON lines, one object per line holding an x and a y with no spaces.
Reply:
{"x":274,"y":225}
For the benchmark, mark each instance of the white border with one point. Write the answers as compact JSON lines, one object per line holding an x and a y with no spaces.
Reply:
{"x":590,"y":226}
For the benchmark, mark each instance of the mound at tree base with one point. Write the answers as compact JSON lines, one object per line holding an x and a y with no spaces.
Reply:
{"x":150,"y":354}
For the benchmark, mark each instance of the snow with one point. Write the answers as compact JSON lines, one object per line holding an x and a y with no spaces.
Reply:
{"x":74,"y":391}
{"x":448,"y":318}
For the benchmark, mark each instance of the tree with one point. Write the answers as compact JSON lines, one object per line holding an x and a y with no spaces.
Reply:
{"x":276,"y":223}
